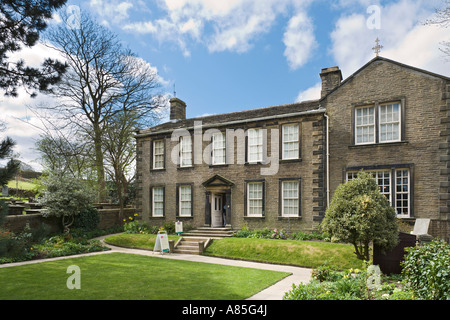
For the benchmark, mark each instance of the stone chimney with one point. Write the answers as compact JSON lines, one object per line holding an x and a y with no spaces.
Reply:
{"x":331,"y":79}
{"x":177,"y":109}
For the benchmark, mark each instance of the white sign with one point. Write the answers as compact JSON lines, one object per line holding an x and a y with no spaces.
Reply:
{"x":162,"y":242}
{"x":178,"y":227}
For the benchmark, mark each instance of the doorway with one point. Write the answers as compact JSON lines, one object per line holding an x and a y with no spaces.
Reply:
{"x":217,"y":210}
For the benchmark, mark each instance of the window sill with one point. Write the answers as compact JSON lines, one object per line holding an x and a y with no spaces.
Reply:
{"x":290,"y":160}
{"x":374,"y":145}
{"x":158,"y":170}
{"x":254,"y":218}
{"x":289,"y":218}
{"x":185,"y":168}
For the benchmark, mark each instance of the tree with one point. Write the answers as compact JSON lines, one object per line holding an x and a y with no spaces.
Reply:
{"x":21,"y":21}
{"x":103,"y":79}
{"x":8,"y":172}
{"x":442,"y":19}
{"x":65,"y":197}
{"x":359,"y":214}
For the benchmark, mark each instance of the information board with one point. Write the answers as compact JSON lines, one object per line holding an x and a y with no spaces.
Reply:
{"x":162,"y":242}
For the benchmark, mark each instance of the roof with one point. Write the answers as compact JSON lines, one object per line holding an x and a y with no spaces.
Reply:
{"x":238,"y":117}
{"x":382,"y":59}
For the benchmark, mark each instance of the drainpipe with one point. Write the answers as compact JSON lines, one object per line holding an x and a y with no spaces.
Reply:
{"x":328,"y":159}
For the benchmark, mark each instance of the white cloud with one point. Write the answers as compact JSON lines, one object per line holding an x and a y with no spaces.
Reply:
{"x":112,"y":11}
{"x":403,"y":36}
{"x":312,"y":93}
{"x":299,"y":40}
{"x":230,"y":25}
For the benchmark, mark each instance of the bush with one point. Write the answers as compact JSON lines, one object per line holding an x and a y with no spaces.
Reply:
{"x":87,"y":220}
{"x":359,"y":214}
{"x":426,"y":270}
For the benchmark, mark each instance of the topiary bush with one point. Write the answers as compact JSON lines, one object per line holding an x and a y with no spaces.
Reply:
{"x":426,"y":270}
{"x":359,"y":214}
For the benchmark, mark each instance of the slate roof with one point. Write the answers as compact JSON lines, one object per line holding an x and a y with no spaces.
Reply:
{"x":238,"y":116}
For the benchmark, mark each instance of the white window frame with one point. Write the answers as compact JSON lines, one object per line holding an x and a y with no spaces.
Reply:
{"x":157,"y":203}
{"x":360,"y":124}
{"x":399,"y":175}
{"x":218,"y":148}
{"x":158,"y":154}
{"x":293,"y":198}
{"x":385,"y":122}
{"x":185,"y":201}
{"x":186,"y":151}
{"x":290,"y":141}
{"x":255,"y":203}
{"x":255,"y":145}
{"x":401,"y":193}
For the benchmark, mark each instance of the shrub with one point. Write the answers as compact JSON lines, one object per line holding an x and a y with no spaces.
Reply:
{"x":359,"y":214}
{"x":87,"y":220}
{"x":426,"y":270}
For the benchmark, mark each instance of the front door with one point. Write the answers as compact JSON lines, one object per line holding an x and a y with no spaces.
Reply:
{"x":217,"y":210}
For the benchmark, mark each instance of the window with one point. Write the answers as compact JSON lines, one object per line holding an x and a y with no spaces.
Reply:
{"x":365,"y":125}
{"x":255,"y":199}
{"x":218,"y":149}
{"x":158,"y":201}
{"x":400,"y":195}
{"x":185,"y":200}
{"x":290,"y":202}
{"x":290,"y":141}
{"x":255,"y":145}
{"x":379,"y":123}
{"x":158,"y":154}
{"x":390,"y":122}
{"x":186,"y":151}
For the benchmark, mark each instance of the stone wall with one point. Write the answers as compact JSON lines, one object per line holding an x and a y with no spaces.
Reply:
{"x":108,"y":219}
{"x":309,"y":169}
{"x":421,"y":148}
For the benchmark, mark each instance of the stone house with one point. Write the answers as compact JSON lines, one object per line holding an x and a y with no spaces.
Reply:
{"x":278,"y":166}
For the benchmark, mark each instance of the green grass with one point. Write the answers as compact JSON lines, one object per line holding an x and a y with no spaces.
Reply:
{"x":21,"y":185}
{"x":120,"y":276}
{"x":136,"y":241}
{"x":309,"y":254}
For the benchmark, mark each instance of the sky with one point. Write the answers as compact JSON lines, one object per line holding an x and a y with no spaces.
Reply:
{"x":223,"y":56}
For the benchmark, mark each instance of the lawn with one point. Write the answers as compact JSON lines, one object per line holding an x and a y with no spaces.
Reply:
{"x":120,"y":276}
{"x":309,"y":254}
{"x":136,"y":241}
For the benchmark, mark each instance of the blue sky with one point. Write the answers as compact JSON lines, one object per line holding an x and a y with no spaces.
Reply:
{"x":225,"y":56}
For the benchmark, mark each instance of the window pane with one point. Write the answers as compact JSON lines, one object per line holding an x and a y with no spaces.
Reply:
{"x":218,"y":149}
{"x":158,"y":154}
{"x":290,"y":201}
{"x":365,"y":125}
{"x":390,"y":122}
{"x":290,"y":141}
{"x":185,"y":201}
{"x":255,"y":198}
{"x":186,"y":151}
{"x":255,"y":145}
{"x":158,"y":202}
{"x":402,"y":192}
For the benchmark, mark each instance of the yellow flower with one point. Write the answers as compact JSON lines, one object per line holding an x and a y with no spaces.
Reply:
{"x":130,"y":218}
{"x":135,"y":214}
{"x":124,"y":220}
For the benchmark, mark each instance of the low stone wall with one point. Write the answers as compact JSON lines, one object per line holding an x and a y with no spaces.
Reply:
{"x":108,"y":219}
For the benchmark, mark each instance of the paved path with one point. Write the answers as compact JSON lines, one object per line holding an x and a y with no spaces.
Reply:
{"x":274,"y":292}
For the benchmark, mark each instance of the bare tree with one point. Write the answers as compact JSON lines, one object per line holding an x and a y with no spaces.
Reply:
{"x":442,"y":19}
{"x":104,"y":78}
